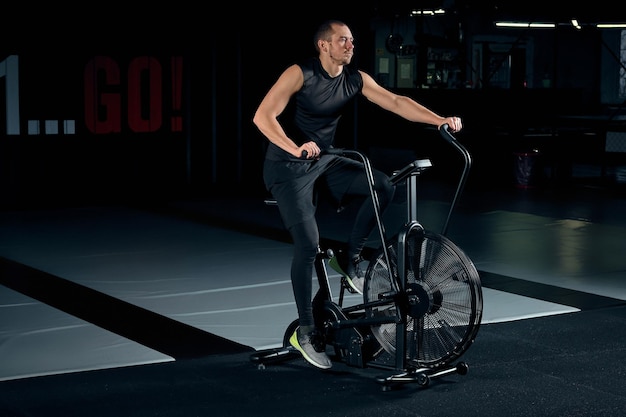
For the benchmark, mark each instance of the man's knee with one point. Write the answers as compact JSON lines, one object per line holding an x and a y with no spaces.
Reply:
{"x":305,"y":236}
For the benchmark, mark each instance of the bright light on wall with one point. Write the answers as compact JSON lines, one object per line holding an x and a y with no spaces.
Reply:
{"x":573,"y":22}
{"x":610,"y":25}
{"x":525,"y":25}
{"x":424,"y":12}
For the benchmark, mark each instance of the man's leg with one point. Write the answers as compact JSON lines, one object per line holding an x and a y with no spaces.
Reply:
{"x":347,"y":262}
{"x":365,"y":221}
{"x":305,"y":237}
{"x":306,"y":240}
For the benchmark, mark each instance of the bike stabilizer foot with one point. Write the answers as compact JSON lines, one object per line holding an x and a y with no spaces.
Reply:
{"x":421,"y":376}
{"x":266,"y":356}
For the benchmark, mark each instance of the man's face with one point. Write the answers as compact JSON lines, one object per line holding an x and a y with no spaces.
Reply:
{"x":341,"y":45}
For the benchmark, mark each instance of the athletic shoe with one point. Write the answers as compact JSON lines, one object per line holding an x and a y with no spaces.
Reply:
{"x":305,"y":346}
{"x":350,"y":270}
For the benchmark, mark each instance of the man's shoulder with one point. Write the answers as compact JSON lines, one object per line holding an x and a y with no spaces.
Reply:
{"x":309,"y":67}
{"x":352,"y":71}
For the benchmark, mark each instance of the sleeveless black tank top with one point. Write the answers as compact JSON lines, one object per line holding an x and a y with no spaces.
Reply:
{"x":318,"y":106}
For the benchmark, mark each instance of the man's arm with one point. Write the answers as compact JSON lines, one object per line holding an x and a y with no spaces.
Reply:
{"x":404,"y":106}
{"x":273,"y":104}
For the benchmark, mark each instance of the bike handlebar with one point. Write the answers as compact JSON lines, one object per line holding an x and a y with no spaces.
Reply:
{"x":446,"y":133}
{"x":444,"y":129}
{"x":329,"y":151}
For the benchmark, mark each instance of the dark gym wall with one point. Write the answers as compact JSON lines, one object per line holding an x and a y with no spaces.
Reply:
{"x":140,"y":105}
{"x":157,"y":103}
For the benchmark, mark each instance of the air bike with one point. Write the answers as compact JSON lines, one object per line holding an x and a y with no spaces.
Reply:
{"x":422,"y":297}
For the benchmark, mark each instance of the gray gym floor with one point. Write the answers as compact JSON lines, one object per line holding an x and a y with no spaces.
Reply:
{"x":221,"y":265}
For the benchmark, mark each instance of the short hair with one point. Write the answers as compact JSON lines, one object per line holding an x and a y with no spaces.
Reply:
{"x":325,"y":31}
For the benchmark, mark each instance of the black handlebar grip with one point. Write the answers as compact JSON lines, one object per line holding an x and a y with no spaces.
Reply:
{"x":330,"y":151}
{"x":446,"y":133}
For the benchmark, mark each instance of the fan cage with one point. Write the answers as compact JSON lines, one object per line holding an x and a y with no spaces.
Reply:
{"x":444,"y":321}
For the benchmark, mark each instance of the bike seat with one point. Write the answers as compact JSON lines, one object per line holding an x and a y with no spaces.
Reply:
{"x":416,"y":166}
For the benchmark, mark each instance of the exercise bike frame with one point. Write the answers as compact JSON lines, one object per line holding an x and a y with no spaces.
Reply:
{"x":347,"y":328}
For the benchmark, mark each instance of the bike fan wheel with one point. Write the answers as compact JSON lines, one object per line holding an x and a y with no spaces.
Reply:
{"x":441,"y":304}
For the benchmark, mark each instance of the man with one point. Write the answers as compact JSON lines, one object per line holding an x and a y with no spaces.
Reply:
{"x":295,"y":162}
